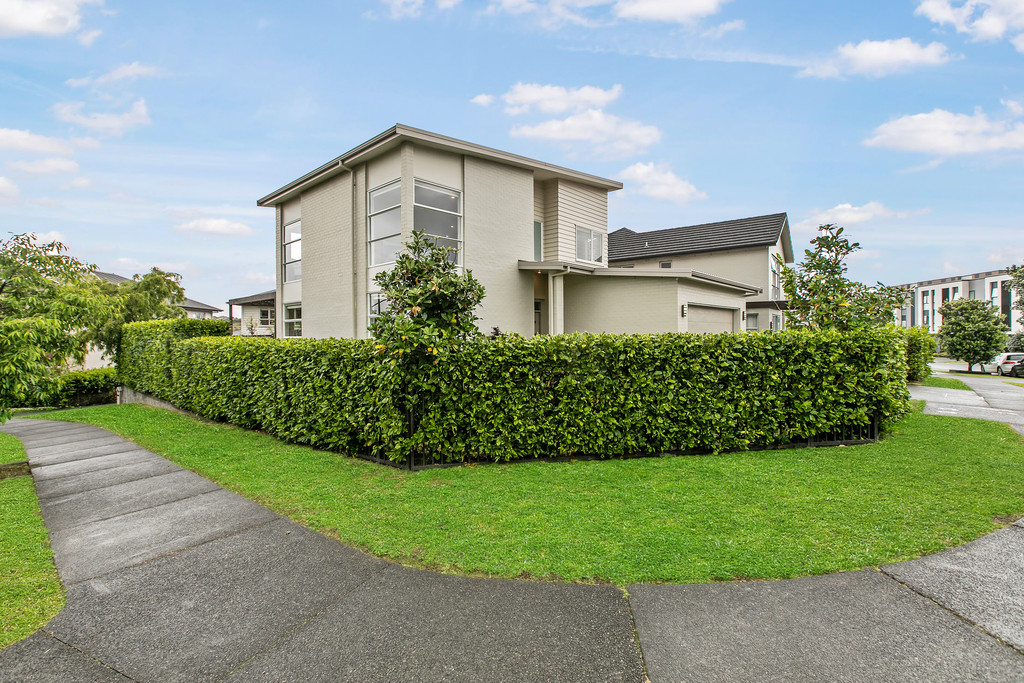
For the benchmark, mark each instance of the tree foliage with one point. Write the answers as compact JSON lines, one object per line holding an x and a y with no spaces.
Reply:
{"x":153,"y":296}
{"x":972,"y":331}
{"x":1016,"y":284}
{"x":428,"y":310}
{"x":46,"y":295}
{"x":819,"y":294}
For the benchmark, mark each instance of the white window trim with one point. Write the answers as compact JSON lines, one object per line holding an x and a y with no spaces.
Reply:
{"x":284,"y":250}
{"x":369,"y":235}
{"x":287,"y":321}
{"x":443,"y":188}
{"x":369,"y":306}
{"x":576,"y":235}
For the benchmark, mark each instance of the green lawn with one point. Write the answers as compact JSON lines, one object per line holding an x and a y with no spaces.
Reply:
{"x":935,"y":482}
{"x":30,"y":592}
{"x":944,"y":383}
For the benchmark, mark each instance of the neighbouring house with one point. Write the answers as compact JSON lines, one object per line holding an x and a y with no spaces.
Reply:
{"x":744,"y":249}
{"x":925,"y":298}
{"x":193,"y":309}
{"x":534,"y":234}
{"x":257,"y":315}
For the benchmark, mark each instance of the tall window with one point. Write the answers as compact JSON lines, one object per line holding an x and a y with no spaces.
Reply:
{"x":589,"y":246}
{"x":776,"y":294}
{"x":538,"y":241}
{"x":384,"y":209}
{"x":293,"y":320}
{"x":437,"y":211}
{"x":292,"y":245}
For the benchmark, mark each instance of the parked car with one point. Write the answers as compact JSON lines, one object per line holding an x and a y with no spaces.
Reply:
{"x":1017,"y":370}
{"x":1005,"y":362}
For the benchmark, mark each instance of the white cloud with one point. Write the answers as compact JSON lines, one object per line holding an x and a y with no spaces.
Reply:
{"x":609,"y":135}
{"x":126,"y":73}
{"x":682,"y":11}
{"x":78,"y":183}
{"x":947,"y":134}
{"x":484,"y":100}
{"x":658,"y":181}
{"x":447,"y":4}
{"x":103,"y":124}
{"x":878,"y":58}
{"x":216,"y":226}
{"x":980,"y":19}
{"x":927,"y":166}
{"x":24,"y":141}
{"x":41,"y":17}
{"x":555,"y":99}
{"x":9,"y":192}
{"x":410,"y":9}
{"x":1013,"y":106}
{"x":45,"y":166}
{"x":846,"y":214}
{"x":259,"y":278}
{"x":716,"y":32}
{"x":87,"y":38}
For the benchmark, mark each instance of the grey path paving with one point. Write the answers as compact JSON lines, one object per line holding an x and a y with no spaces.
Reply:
{"x":993,"y":398}
{"x":171,"y":578}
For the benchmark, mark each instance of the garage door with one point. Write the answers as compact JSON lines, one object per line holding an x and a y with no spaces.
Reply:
{"x":707,"y":319}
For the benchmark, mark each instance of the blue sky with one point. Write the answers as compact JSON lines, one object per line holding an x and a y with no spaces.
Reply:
{"x":142,"y":134}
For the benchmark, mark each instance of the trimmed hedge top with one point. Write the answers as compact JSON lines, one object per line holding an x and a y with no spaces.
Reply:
{"x":513,"y":397}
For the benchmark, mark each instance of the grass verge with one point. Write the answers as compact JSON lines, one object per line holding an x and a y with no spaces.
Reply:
{"x":944,"y":383}
{"x":30,"y":591}
{"x":935,"y":482}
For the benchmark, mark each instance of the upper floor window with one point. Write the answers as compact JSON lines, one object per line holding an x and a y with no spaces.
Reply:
{"x":384,"y":210}
{"x":437,"y":211}
{"x":292,"y":246}
{"x":664,"y":264}
{"x":589,"y":246}
{"x":776,"y":277}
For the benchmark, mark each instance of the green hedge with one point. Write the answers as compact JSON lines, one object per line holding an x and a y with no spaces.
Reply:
{"x":79,"y":388}
{"x":144,"y":358}
{"x":920,"y":352}
{"x":604,"y":395}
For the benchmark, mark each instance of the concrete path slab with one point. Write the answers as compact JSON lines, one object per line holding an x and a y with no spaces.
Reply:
{"x":90,"y":550}
{"x":102,"y":503}
{"x":856,"y":626}
{"x":983,"y":581}
{"x":41,"y":658}
{"x":200,"y":613}
{"x":74,"y":468}
{"x":69,"y":455}
{"x":92,"y":441}
{"x":408,"y":625}
{"x":56,"y":488}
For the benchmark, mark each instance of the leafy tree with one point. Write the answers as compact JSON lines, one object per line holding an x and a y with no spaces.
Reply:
{"x":972,"y":331}
{"x":819,"y":294}
{"x":1016,"y":284}
{"x":153,"y":296}
{"x":1015,"y":342}
{"x":427,"y":311}
{"x":46,"y":296}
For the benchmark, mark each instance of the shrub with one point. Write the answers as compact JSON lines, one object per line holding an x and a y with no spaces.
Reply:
{"x":511,"y":397}
{"x":79,"y":388}
{"x":144,"y":358}
{"x":920,"y":352}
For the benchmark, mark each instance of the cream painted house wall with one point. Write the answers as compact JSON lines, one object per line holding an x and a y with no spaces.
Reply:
{"x":254,"y":313}
{"x":752,"y":266}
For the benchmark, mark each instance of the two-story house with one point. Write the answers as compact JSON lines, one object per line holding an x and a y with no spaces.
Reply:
{"x":925,"y":298}
{"x":534,"y":234}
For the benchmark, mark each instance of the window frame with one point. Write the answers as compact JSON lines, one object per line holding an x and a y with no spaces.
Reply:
{"x":664,"y":264}
{"x":419,"y":182}
{"x":590,"y":244}
{"x":268,"y":320}
{"x":292,"y":321}
{"x":284,"y":250}
{"x":370,"y":239}
{"x":381,"y":306}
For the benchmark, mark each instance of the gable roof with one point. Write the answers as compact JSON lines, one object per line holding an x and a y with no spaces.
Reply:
{"x":187,"y":304}
{"x":399,"y":133}
{"x":743,"y":233}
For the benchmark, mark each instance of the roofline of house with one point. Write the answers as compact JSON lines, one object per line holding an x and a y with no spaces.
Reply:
{"x":784,"y":236}
{"x":400,"y":133}
{"x":570,"y":268}
{"x":270,"y":295}
{"x":955,"y":278}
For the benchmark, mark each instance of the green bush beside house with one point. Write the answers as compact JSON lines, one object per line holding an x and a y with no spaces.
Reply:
{"x":602,"y":395}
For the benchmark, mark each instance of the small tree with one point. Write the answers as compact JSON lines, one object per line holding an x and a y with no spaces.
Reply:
{"x":153,"y":296}
{"x":972,"y":331}
{"x":1016,"y":284}
{"x":819,"y":294}
{"x":45,"y":297}
{"x":427,"y":311}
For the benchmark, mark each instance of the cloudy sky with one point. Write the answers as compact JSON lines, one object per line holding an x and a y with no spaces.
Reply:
{"x":142,"y":134}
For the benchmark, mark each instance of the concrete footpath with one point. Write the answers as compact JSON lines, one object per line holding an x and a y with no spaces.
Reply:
{"x":171,"y":578}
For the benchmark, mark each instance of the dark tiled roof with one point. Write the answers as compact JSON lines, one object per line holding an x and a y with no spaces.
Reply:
{"x":268,"y":296}
{"x":758,"y":231}
{"x":188,"y":304}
